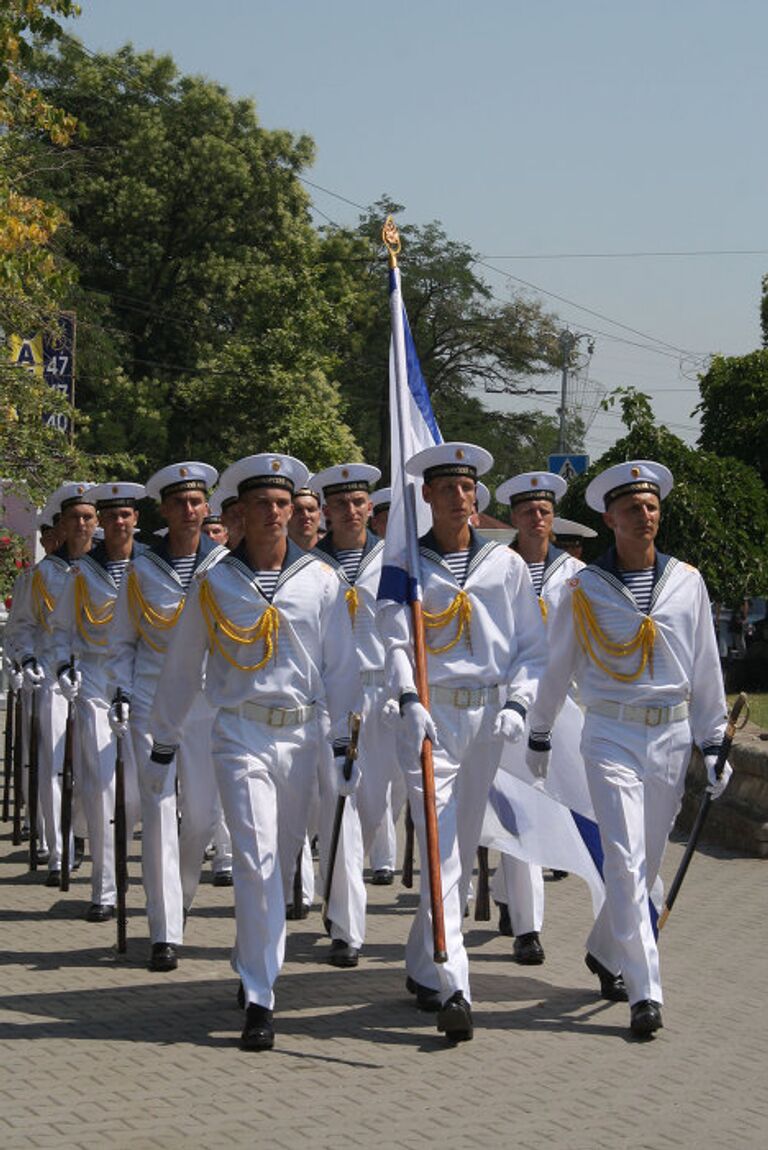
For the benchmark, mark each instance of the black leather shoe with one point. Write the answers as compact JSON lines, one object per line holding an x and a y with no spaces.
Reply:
{"x":291,"y":915}
{"x":505,"y":922}
{"x":455,"y":1019}
{"x":99,"y":912}
{"x":163,"y":957}
{"x":611,"y":985}
{"x":527,"y":949}
{"x":645,"y":1018}
{"x":342,"y":954}
{"x":383,"y":877}
{"x":42,"y":855}
{"x":427,"y":999}
{"x":53,"y":878}
{"x":223,"y":878}
{"x":556,"y":875}
{"x":258,"y":1032}
{"x":79,"y":854}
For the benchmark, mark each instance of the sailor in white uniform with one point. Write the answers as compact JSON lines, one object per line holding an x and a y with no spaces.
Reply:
{"x":149,"y":606}
{"x":485,"y":650}
{"x":82,"y":627}
{"x":518,"y":886}
{"x":270,"y":625}
{"x":634,"y":629}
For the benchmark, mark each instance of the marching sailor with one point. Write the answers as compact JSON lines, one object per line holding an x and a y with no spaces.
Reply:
{"x":485,"y":650}
{"x":75,"y":516}
{"x":634,"y":629}
{"x":149,"y":605}
{"x":518,"y":886}
{"x":82,"y":627}
{"x":355,"y":554}
{"x":271,"y":627}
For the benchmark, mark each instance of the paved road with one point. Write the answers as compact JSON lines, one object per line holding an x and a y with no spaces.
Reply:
{"x":98,"y":1052}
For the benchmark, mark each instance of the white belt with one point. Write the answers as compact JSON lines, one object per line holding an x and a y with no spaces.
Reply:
{"x":372,"y":678}
{"x":649,"y":716}
{"x":463,"y":697}
{"x":273,"y":716}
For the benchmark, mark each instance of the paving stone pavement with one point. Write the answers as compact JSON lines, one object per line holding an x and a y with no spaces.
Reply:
{"x":98,"y":1052}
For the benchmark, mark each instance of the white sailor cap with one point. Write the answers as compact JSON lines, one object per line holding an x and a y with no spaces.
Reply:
{"x":531,"y":485}
{"x":69,"y":495}
{"x":98,"y":534}
{"x":450,"y":459}
{"x":222,"y":498}
{"x":482,"y":496}
{"x":569,"y":531}
{"x":381,"y":499}
{"x":265,"y":470}
{"x":45,"y":518}
{"x":161,"y":532}
{"x":309,"y":491}
{"x":346,"y":477}
{"x":636,"y":476}
{"x":187,"y":476}
{"x":107,"y":495}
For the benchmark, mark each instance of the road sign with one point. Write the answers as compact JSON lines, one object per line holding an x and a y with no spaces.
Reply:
{"x":569,"y":466}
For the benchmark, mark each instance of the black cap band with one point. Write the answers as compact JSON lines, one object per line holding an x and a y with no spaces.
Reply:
{"x":439,"y":469}
{"x":256,"y":481}
{"x":636,"y":487}
{"x":184,"y":485}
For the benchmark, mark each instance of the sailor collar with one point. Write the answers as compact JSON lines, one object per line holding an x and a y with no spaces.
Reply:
{"x":97,"y":559}
{"x":294,"y":560}
{"x":478,"y":549}
{"x":371,"y":548}
{"x":607,"y":567}
{"x":207,"y":553}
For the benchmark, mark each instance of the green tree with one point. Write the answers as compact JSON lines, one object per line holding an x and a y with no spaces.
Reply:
{"x":199,"y":268}
{"x":716,"y":516}
{"x":734,"y":409}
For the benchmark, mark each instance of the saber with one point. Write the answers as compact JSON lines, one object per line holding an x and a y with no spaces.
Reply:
{"x":706,"y":802}
{"x":407,"y":878}
{"x":349,"y":759}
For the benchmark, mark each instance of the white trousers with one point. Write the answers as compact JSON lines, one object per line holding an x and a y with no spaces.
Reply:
{"x":636,"y":777}
{"x":222,"y":859}
{"x":265,"y":777}
{"x":52,"y":717}
{"x":172,"y":858}
{"x":98,"y":755}
{"x":465,"y":763}
{"x":521,"y":886}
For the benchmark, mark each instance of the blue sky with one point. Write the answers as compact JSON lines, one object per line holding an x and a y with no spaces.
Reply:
{"x":557,"y":131}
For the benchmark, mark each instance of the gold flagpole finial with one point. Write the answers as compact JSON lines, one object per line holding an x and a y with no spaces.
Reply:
{"x":391,"y":238}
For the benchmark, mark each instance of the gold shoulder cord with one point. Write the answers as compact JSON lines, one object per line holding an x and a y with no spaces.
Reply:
{"x":460,"y":610}
{"x":589,"y":632}
{"x":543,"y":608}
{"x":353,"y":602}
{"x":42,"y":600}
{"x":141,"y":610}
{"x":86,"y":613}
{"x":264,"y":630}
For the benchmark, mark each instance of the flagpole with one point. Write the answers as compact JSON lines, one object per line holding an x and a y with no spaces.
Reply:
{"x":392,"y":242}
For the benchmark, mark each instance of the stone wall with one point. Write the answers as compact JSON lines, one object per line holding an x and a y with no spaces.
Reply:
{"x":739,"y":819}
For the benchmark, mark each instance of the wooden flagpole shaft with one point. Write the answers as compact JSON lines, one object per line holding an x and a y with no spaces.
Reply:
{"x":428,"y":787}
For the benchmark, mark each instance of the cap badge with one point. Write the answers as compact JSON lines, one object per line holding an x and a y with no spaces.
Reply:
{"x":534,"y":482}
{"x":80,"y":489}
{"x":635,"y":472}
{"x":345,"y":473}
{"x":275,"y":464}
{"x":459,"y":453}
{"x":183,"y":471}
{"x":115,"y":489}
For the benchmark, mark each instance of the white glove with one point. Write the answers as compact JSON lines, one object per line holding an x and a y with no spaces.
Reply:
{"x":15,"y":678}
{"x":716,"y":786}
{"x":417,"y":725}
{"x":509,"y":724}
{"x":344,"y":787}
{"x":119,"y":713}
{"x":390,"y":712}
{"x":538,"y":753}
{"x":33,"y":672}
{"x":69,"y":682}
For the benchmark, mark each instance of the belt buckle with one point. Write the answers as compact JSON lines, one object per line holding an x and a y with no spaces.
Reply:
{"x":276,"y":717}
{"x":653,"y":716}
{"x":462,"y":697}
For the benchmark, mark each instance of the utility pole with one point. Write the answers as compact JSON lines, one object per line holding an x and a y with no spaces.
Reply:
{"x":568,"y":341}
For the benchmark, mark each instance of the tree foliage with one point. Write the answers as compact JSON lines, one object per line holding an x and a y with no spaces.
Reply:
{"x":734,"y":409}
{"x":716,"y":516}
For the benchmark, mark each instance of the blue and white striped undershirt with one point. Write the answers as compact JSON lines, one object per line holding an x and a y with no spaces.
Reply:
{"x":640,"y":585}
{"x":537,"y":575}
{"x":184,"y":568}
{"x":267,"y":581}
{"x":350,"y":559}
{"x":116,"y":568}
{"x":458,"y":561}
